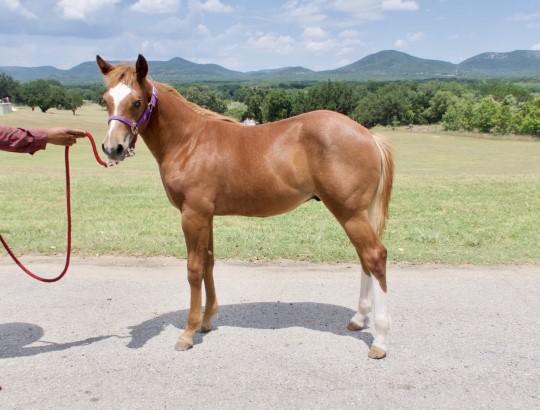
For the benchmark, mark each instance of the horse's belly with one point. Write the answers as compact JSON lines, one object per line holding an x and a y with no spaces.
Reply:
{"x":262,"y":205}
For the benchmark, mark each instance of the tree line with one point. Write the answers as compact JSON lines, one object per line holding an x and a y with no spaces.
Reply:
{"x":487,"y":106}
{"x":46,"y":94}
{"x":496,"y":106}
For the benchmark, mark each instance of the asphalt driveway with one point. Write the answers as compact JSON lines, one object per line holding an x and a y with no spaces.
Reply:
{"x":462,"y":337}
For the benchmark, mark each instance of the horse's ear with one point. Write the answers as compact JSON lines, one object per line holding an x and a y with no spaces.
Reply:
{"x":141,"y":67}
{"x":104,"y":66}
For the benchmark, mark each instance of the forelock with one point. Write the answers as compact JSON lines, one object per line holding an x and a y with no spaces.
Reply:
{"x":121,"y":73}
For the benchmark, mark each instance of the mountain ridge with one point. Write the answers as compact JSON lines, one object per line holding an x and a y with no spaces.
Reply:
{"x":383,"y":65}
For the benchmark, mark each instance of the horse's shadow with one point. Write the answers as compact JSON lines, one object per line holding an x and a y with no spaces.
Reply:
{"x":15,"y":339}
{"x":264,"y":315}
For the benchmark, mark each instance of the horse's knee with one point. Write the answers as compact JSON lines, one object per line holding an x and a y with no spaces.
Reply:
{"x":195,"y":276}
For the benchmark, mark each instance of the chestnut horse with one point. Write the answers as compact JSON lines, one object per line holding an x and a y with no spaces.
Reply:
{"x":212,"y":165}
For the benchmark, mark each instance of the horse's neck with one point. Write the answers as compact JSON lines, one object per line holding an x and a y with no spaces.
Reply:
{"x":170,"y":124}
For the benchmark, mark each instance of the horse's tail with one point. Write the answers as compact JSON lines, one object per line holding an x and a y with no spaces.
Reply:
{"x":378,"y":209}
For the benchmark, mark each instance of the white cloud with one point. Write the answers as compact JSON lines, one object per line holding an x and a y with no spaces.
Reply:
{"x":275,"y":43}
{"x":203,"y":30}
{"x":16,"y":6}
{"x":349,"y":34}
{"x":361,"y":10}
{"x":408,"y":5}
{"x":345,"y":50}
{"x":214,"y":6}
{"x":305,"y":13}
{"x":314,"y":32}
{"x":400,"y":43}
{"x":350,"y":42}
{"x":415,"y":36}
{"x":524,"y":17}
{"x":321,"y":45}
{"x":152,"y":47}
{"x":79,"y":10}
{"x":155,"y":6}
{"x":536,"y":47}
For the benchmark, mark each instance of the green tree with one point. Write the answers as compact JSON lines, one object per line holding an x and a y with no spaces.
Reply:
{"x":439,"y":105}
{"x":8,"y":86}
{"x":74,"y":100}
{"x":44,"y":94}
{"x":277,"y":105}
{"x":236,"y":110}
{"x":507,"y":115}
{"x":330,"y":95}
{"x":531,"y":118}
{"x":253,"y":97}
{"x":206,"y":98}
{"x":486,"y":114}
{"x":391,"y":104}
{"x":459,"y":116}
{"x":95,"y":93}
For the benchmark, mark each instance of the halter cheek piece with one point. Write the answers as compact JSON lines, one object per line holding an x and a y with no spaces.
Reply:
{"x":145,"y":117}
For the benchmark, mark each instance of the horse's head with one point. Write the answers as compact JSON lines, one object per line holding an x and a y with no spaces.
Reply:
{"x":130,"y":100}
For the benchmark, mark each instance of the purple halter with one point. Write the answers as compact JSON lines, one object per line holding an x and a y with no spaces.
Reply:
{"x":145,"y":117}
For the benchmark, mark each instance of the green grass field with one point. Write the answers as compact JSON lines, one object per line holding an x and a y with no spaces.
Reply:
{"x":456,"y":200}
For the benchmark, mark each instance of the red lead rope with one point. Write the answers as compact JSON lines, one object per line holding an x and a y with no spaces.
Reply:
{"x":68,"y":207}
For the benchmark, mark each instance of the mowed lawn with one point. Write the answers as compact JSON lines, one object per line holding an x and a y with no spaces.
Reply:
{"x":456,"y":200}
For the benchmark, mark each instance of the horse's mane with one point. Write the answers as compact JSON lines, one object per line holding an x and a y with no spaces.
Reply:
{"x":127,"y":74}
{"x":195,"y":107}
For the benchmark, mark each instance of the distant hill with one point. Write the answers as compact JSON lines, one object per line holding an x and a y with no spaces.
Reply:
{"x":31,"y":73}
{"x":519,"y":62}
{"x":181,"y":70}
{"x":390,"y":64}
{"x":384,"y":65}
{"x":286,"y":72}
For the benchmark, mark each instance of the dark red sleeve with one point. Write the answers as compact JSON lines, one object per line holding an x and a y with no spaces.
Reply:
{"x":22,"y":140}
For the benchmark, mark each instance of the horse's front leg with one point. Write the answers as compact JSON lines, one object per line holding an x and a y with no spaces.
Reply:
{"x":196,"y":229}
{"x":211,"y":306}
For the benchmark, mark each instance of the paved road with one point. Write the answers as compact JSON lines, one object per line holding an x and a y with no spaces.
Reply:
{"x":103,"y":337}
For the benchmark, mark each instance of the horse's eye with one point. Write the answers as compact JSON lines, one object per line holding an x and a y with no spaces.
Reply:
{"x":137,"y":104}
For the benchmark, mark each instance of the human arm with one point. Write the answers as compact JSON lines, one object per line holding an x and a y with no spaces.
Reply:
{"x":32,"y":140}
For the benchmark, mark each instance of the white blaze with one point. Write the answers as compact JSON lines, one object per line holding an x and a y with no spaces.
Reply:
{"x":118,"y":94}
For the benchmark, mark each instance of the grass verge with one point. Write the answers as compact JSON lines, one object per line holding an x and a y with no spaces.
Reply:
{"x":456,"y":200}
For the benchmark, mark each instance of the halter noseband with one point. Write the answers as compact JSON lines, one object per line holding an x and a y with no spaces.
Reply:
{"x":145,"y":117}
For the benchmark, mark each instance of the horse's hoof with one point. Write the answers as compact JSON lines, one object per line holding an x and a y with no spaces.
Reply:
{"x":376,"y":353}
{"x":354,"y":326}
{"x":181,"y":345}
{"x":205,"y":329}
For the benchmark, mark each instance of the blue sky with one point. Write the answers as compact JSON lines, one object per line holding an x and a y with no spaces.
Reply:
{"x":254,"y":34}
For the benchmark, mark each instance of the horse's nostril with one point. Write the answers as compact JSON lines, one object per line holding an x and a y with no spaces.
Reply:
{"x":119,"y":149}
{"x":103,"y":148}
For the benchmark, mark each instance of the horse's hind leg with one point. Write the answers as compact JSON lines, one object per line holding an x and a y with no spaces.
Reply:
{"x":357,"y":322}
{"x":372,"y":254}
{"x":211,"y":306}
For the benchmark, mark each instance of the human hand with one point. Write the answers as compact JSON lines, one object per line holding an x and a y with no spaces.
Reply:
{"x":64,"y":136}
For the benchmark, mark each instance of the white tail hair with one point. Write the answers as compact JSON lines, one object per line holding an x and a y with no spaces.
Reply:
{"x":378,"y":209}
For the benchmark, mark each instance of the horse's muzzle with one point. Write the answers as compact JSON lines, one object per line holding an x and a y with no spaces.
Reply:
{"x":115,"y":153}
